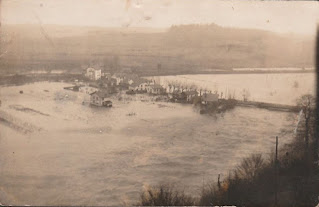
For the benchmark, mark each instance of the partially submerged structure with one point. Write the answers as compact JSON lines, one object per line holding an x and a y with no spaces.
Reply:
{"x":124,"y":78}
{"x":209,"y":98}
{"x":189,"y":96}
{"x":155,"y":89}
{"x":98,"y":98}
{"x":139,"y":85}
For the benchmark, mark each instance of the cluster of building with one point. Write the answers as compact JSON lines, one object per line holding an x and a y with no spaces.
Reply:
{"x":102,"y":85}
{"x":193,"y":96}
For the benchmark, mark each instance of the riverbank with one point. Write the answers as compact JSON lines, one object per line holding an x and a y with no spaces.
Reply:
{"x":229,"y":72}
{"x":288,"y":177}
{"x":23,"y":78}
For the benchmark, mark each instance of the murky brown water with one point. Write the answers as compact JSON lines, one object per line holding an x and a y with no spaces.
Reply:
{"x":100,"y":156}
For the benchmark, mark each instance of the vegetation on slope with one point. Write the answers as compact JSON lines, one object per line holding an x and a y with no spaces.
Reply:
{"x":291,"y":180}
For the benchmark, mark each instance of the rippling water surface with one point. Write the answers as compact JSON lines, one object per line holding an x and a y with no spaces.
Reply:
{"x":81,"y":155}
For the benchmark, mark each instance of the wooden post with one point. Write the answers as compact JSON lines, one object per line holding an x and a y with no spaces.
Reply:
{"x":276,"y":173}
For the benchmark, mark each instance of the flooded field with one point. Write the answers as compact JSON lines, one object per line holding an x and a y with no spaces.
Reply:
{"x":58,"y":150}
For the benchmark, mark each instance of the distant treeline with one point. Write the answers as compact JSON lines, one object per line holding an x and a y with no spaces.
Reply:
{"x":179,"y":50}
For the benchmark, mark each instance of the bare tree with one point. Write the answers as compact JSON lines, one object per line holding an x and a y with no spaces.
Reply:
{"x":165,"y":195}
{"x":250,"y":166}
{"x":307,"y":105}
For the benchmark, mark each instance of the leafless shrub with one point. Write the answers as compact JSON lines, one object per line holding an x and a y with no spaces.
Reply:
{"x":165,"y":195}
{"x":250,"y":166}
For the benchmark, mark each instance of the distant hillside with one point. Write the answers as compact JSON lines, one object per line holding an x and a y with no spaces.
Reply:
{"x":180,"y":49}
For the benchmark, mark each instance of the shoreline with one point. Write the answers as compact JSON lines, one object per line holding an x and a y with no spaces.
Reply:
{"x":166,"y":73}
{"x":26,"y":78}
{"x":233,"y":72}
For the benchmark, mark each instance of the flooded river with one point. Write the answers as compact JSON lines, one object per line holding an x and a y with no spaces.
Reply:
{"x":74,"y":154}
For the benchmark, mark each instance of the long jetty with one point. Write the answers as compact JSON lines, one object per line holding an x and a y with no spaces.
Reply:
{"x":269,"y":106}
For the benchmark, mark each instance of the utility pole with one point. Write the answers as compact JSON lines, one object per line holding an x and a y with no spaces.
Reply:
{"x":316,"y":144}
{"x":276,"y":173}
{"x":218,"y":182}
{"x":159,"y":68}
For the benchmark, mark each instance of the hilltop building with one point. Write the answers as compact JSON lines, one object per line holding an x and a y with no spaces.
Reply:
{"x":189,"y":96}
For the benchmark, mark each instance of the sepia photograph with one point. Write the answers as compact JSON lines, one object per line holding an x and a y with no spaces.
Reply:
{"x":159,"y":103}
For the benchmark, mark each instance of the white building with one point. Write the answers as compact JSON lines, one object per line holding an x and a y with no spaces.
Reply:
{"x":119,"y":77}
{"x":93,"y":74}
{"x":155,"y":89}
{"x":98,"y":98}
{"x":139,"y":85}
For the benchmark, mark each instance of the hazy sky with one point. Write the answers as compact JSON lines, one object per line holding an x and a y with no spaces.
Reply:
{"x":284,"y":17}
